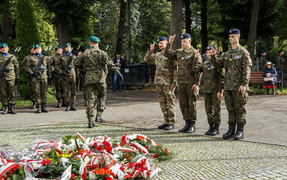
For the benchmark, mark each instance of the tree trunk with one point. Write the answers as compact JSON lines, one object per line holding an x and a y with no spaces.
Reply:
{"x":129,"y":31}
{"x":5,"y":31}
{"x":225,"y":34}
{"x":203,"y":32}
{"x":253,"y":28}
{"x":121,"y":29}
{"x":187,"y":16}
{"x":177,"y":22}
{"x":62,"y":29}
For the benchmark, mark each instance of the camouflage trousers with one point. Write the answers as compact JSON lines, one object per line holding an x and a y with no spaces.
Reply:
{"x":32,"y":96}
{"x":59,"y":88}
{"x":39,"y":90}
{"x":69,"y":85}
{"x":167,"y":103}
{"x":187,"y":102}
{"x":7,"y":90}
{"x":96,"y":91}
{"x":212,"y":108}
{"x":235,"y":104}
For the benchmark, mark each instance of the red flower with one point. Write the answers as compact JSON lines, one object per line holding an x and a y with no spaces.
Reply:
{"x":45,"y":162}
{"x":73,"y":176}
{"x":140,"y":137}
{"x":59,"y":152}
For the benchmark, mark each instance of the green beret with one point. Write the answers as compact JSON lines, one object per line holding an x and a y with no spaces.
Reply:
{"x":4,"y":45}
{"x":94,"y":39}
{"x":33,"y":46}
{"x":1,"y":46}
{"x":281,"y":50}
{"x":58,"y":47}
{"x":68,"y":44}
{"x":38,"y":46}
{"x":86,"y":47}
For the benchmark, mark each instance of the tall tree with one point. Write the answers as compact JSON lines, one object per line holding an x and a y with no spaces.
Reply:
{"x":177,"y":22}
{"x":5,"y":26}
{"x":253,"y":28}
{"x":27,"y":34}
{"x":121,"y":27}
{"x":203,"y":32}
{"x":129,"y":32}
{"x":187,"y":16}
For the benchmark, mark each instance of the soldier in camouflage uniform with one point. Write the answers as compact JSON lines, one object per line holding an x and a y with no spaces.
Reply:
{"x":212,"y":89}
{"x":237,"y":64}
{"x":95,"y":61}
{"x":57,"y":77}
{"x":262,"y":61}
{"x":23,"y":64}
{"x":164,"y":79}
{"x":188,"y":79}
{"x":280,"y":64}
{"x":9,"y":80}
{"x":40,"y":80}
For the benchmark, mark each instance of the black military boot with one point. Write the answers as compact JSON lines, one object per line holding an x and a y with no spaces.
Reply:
{"x":268,"y":91}
{"x":59,"y":103}
{"x":191,"y":127}
{"x":99,"y":119}
{"x":91,"y":123}
{"x":210,"y":129}
{"x":73,"y":108}
{"x":44,"y":108}
{"x":273,"y":91}
{"x":68,"y":107}
{"x":64,"y":104}
{"x":230,"y":132}
{"x":38,"y":108}
{"x":215,"y":130}
{"x":239,"y":132}
{"x":5,"y":110}
{"x":11,"y":109}
{"x":34,"y":105}
{"x":162,"y":126}
{"x":187,"y":123}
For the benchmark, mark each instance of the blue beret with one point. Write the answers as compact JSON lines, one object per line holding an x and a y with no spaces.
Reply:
{"x":234,"y":31}
{"x":58,"y":47}
{"x":68,"y":44}
{"x":94,"y":39}
{"x":38,"y":46}
{"x":209,"y":47}
{"x":86,"y":47}
{"x":4,"y":45}
{"x":32,"y":47}
{"x":263,"y":51}
{"x":281,"y":50}
{"x":185,"y":36}
{"x":161,"y":39}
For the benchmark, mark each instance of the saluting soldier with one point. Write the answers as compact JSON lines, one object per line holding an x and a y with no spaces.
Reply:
{"x":39,"y":79}
{"x":57,"y":76}
{"x":237,"y":64}
{"x":164,"y":79}
{"x":212,"y":90}
{"x":188,"y":79}
{"x":280,"y":64}
{"x":95,"y":61}
{"x":67,"y":61}
{"x":9,"y":79}
{"x":262,"y":61}
{"x":23,"y":64}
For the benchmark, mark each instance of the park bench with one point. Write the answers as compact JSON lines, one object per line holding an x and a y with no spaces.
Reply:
{"x":257,"y":78}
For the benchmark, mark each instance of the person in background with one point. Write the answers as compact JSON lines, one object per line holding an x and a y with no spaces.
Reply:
{"x":270,"y":73}
{"x":119,"y":62}
{"x":262,"y":61}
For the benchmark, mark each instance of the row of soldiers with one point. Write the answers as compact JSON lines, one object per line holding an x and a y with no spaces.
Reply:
{"x":280,"y":61}
{"x":183,"y":67}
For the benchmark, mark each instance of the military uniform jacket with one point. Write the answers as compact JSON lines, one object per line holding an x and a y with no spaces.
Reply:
{"x":12,"y":69}
{"x":54,"y":60}
{"x":262,"y":63}
{"x":280,"y":65}
{"x":187,"y":63}
{"x":237,"y":64}
{"x":212,"y":77}
{"x":95,"y":62}
{"x":26,"y":58}
{"x":62,"y":61}
{"x":165,"y":68}
{"x":45,"y":69}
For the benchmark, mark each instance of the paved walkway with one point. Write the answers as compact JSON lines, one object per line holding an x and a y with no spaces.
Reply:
{"x":261,"y":155}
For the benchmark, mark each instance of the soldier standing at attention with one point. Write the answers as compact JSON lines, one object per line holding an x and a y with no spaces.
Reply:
{"x":164,"y":79}
{"x":95,"y":61}
{"x":9,"y":80}
{"x":39,"y":79}
{"x":262,"y":61}
{"x":237,"y":64}
{"x":280,"y":64}
{"x":57,"y":77}
{"x":23,"y":64}
{"x":67,"y":61}
{"x":188,"y":78}
{"x":212,"y":89}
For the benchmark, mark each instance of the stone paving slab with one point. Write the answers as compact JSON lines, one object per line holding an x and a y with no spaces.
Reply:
{"x":195,"y":156}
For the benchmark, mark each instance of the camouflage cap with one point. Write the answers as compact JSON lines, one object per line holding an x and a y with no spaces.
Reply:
{"x":4,"y":45}
{"x":33,"y":46}
{"x":68,"y":44}
{"x":38,"y":46}
{"x":94,"y":39}
{"x":58,"y":47}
